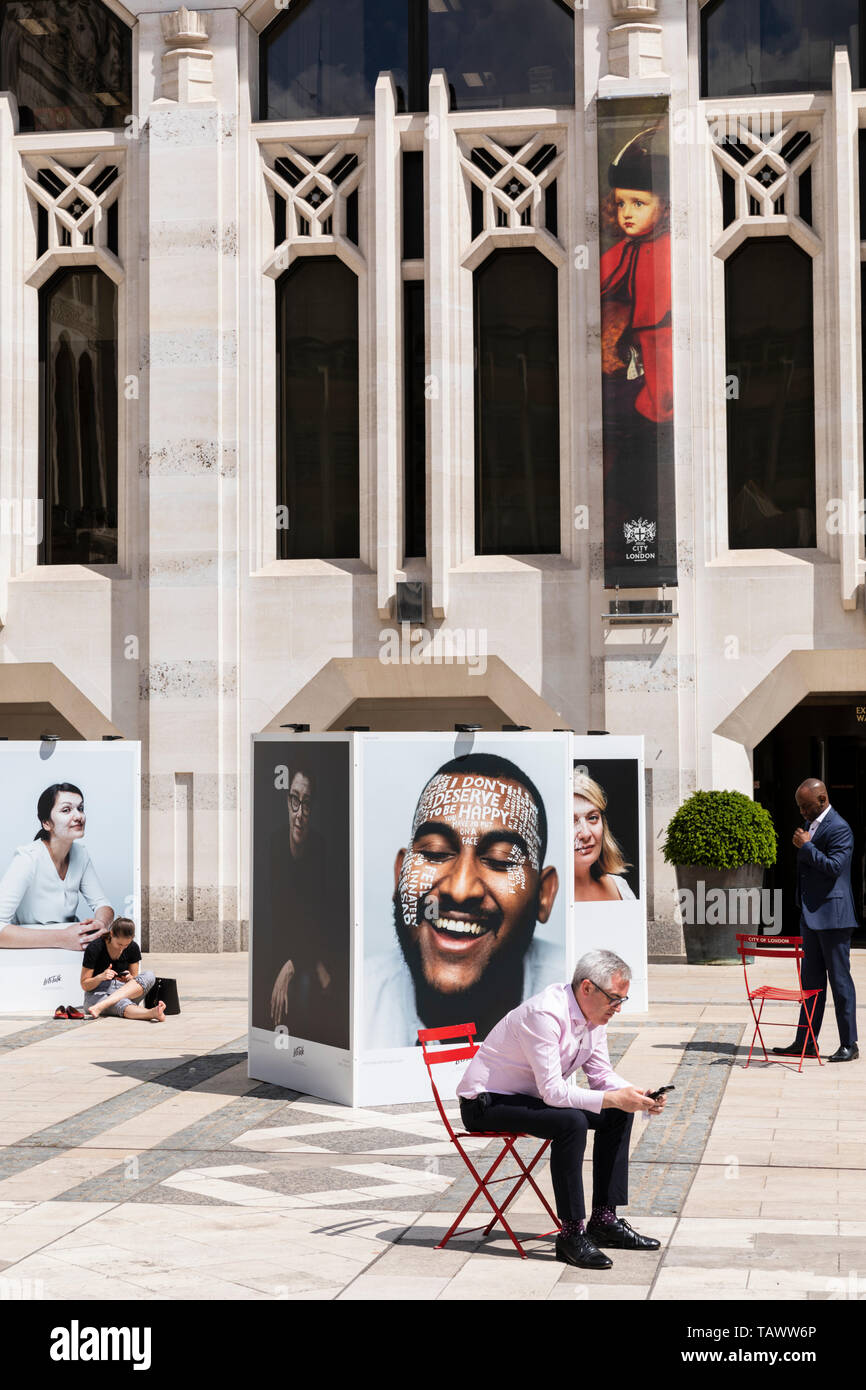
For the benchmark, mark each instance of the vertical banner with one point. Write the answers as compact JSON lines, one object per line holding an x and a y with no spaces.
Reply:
{"x":640,"y":541}
{"x":301,"y":913}
{"x":610,"y":894}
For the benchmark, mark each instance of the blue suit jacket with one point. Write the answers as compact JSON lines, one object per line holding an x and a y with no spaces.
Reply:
{"x":824,"y":876}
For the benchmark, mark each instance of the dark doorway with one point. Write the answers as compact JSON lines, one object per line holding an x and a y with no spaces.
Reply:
{"x":824,"y":736}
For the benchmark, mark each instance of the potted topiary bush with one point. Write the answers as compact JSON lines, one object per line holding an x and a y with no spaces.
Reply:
{"x":720,"y":844}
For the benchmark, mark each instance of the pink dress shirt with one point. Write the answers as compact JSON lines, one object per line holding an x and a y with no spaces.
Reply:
{"x":534,"y":1050}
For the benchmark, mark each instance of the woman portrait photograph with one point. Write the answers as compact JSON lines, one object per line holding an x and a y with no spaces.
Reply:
{"x":601,"y":868}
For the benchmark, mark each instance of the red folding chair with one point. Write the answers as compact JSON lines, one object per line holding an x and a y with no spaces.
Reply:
{"x":778,"y":948}
{"x":467,"y":1050}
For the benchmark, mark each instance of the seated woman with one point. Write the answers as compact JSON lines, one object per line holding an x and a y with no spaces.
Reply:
{"x":111,"y":979}
{"x":598,"y":860}
{"x":43,"y":883}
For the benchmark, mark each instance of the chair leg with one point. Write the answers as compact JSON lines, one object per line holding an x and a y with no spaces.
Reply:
{"x":809,"y":1031}
{"x":527,"y":1176}
{"x":481,"y":1186}
{"x":757,"y":1033}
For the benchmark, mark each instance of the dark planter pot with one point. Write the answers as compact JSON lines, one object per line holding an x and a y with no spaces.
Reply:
{"x":720,"y":895}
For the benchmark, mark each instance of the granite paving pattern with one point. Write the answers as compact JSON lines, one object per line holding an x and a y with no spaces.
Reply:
{"x":251,"y":1191}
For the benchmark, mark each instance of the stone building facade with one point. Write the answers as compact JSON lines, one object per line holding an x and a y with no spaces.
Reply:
{"x":190,"y":625}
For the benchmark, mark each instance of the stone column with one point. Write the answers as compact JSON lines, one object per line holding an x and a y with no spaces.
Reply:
{"x":189,"y":479}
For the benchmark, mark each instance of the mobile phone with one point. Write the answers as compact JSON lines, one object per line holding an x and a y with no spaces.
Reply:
{"x":656,"y":1095}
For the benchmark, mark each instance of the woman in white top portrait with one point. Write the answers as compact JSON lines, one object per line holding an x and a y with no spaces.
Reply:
{"x":599,"y":864}
{"x":43,"y":883}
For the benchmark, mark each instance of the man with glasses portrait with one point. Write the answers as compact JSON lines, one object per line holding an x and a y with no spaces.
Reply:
{"x":521,"y":1080}
{"x":308,"y":973}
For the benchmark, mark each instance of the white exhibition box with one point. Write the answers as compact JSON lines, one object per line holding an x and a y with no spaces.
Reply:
{"x":401,"y":881}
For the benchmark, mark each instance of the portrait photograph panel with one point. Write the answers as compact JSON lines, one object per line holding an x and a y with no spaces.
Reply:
{"x":464,"y":894}
{"x":69,"y":838}
{"x":606,"y":829}
{"x":301,"y":890}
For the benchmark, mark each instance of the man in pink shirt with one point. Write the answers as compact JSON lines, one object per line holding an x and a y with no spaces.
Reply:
{"x":521,"y":1081}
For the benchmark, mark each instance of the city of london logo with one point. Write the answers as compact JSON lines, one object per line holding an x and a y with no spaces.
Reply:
{"x":639,"y":536}
{"x":640,"y":530}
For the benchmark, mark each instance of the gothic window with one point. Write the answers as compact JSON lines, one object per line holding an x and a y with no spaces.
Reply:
{"x":318,"y":410}
{"x":68,"y":63}
{"x":771,"y":395}
{"x":500,"y":54}
{"x":517,"y":404}
{"x":322,"y":57}
{"x":765,"y":46}
{"x":79,"y":435}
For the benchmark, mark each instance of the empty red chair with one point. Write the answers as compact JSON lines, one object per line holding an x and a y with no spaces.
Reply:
{"x":466,"y":1050}
{"x":778,"y":948}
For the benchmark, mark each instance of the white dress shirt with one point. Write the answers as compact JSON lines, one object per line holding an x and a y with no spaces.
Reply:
{"x":32,"y":892}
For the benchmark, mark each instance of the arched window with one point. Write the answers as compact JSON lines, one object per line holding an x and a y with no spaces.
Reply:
{"x":754,"y":46}
{"x":771,"y":395}
{"x":504,"y":53}
{"x":517,"y":405}
{"x":318,"y":410}
{"x":68,"y":63}
{"x":322,"y":57}
{"x":78,"y":441}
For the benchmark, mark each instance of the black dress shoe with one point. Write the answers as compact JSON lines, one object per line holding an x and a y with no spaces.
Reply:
{"x":580,"y":1251}
{"x":620,"y":1236}
{"x":795,"y":1050}
{"x":845,"y":1054}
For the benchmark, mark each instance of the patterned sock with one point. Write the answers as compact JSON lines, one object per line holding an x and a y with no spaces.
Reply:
{"x":603,"y":1216}
{"x":572,"y":1228}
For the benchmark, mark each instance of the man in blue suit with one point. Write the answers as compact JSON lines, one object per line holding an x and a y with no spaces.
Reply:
{"x":827,"y":917}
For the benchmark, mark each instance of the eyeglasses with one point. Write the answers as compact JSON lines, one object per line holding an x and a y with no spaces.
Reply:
{"x":614,"y":998}
{"x":299,"y":802}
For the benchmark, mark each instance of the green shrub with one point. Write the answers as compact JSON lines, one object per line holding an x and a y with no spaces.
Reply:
{"x":720,"y":830}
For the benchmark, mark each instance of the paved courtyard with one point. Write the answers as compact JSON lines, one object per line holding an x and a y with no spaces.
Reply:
{"x":139,"y":1161}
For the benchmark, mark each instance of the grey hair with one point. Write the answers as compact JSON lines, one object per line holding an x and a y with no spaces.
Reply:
{"x":600,"y":967}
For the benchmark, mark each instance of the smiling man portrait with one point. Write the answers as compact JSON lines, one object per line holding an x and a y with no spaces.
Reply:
{"x":469,"y":889}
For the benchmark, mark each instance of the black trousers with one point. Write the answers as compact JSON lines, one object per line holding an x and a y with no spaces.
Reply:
{"x":568,"y":1130}
{"x":828,"y":954}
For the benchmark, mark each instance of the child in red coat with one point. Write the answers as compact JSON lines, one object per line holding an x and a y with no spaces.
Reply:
{"x":637,"y":359}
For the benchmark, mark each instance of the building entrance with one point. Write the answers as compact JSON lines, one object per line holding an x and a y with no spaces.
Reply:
{"x":824,"y":736}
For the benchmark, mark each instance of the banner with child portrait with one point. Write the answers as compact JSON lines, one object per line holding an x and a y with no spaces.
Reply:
{"x":636,"y":344}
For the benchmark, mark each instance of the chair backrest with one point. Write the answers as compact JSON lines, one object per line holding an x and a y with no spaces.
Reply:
{"x":772,"y":947}
{"x":434,"y":1055}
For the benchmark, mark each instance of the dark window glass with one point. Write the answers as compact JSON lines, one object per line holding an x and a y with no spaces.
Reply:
{"x":771,"y":395}
{"x":352,"y":217}
{"x":517,"y":405}
{"x":318,"y":409}
{"x":504,"y":53}
{"x":78,"y":399}
{"x":729,"y":199}
{"x":863,"y":359}
{"x":68,"y":62}
{"x":414,"y":410}
{"x":861,"y":136}
{"x":752,"y":46}
{"x":413,"y":205}
{"x":551,"y":209}
{"x":323,"y":57}
{"x":805,"y":186}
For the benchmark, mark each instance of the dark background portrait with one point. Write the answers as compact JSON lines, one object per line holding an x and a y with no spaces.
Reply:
{"x":618,"y":778}
{"x":301,"y":906}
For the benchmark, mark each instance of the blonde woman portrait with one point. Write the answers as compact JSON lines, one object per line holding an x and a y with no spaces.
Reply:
{"x":599,"y":863}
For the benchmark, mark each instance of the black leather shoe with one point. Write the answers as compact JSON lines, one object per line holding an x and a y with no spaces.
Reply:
{"x":580,"y":1251}
{"x":795,"y":1050}
{"x":620,"y":1236}
{"x":845,"y":1054}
